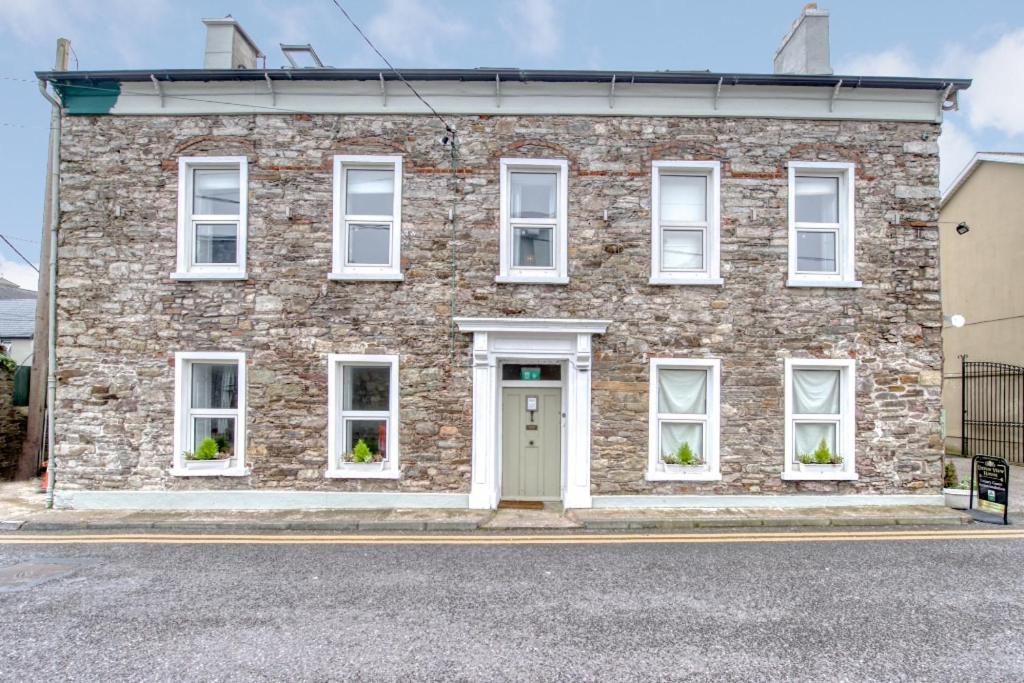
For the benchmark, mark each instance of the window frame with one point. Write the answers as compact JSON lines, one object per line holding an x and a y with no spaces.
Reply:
{"x":187,"y":269}
{"x":340,"y":268}
{"x":183,"y":412}
{"x":846,"y":420}
{"x":711,"y":227}
{"x":845,"y":229}
{"x":712,"y":420}
{"x":337,"y":418}
{"x":559,"y":272}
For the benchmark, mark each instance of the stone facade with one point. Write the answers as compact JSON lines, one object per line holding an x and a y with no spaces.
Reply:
{"x":121,"y":317}
{"x":12,"y":426}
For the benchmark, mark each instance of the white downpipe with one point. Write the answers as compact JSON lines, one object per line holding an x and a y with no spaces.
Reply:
{"x":51,"y":350}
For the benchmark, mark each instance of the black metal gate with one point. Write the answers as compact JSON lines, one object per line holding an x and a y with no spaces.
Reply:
{"x":993,"y":410}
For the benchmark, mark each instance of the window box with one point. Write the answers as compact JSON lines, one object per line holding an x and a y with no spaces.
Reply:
{"x":821,"y":225}
{"x":215,"y":464}
{"x":533,"y":243}
{"x":209,"y":396}
{"x":671,"y":468}
{"x":212,"y":218}
{"x":684,"y":419}
{"x":362,"y":416}
{"x":685,"y":222}
{"x":817,"y":468}
{"x":367,"y":218}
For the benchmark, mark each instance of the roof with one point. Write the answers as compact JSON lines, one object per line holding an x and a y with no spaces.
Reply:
{"x":972,"y":165}
{"x":17,"y":318}
{"x":9,"y":290}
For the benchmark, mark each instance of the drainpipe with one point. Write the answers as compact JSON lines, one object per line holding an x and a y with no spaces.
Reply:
{"x":51,"y":350}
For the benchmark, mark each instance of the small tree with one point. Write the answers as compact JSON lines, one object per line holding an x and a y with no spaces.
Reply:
{"x":207,"y":450}
{"x":361,"y":452}
{"x":686,"y":456}
{"x":950,"y":479}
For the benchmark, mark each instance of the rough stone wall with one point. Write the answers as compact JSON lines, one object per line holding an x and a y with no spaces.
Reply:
{"x":122,"y":318}
{"x":12,"y":427}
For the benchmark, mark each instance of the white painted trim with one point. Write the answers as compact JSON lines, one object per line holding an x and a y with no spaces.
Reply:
{"x":846,"y":435}
{"x":336,"y":468}
{"x":833,"y":284}
{"x":700,"y":282}
{"x":541,"y":325}
{"x":339,"y":242}
{"x":182,"y":361}
{"x":972,"y":166}
{"x":713,"y":427}
{"x":764,"y":501}
{"x":712,"y":170}
{"x":185,"y":269}
{"x":255,"y":500}
{"x":559,"y":273}
{"x":363,"y":277}
{"x":530,"y":98}
{"x":846,"y":243}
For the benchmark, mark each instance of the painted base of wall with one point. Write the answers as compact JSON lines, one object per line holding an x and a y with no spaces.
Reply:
{"x":254,"y":500}
{"x":797,"y":501}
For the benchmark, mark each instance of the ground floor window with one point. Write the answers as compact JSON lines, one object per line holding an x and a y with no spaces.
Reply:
{"x":210,"y":413}
{"x":362,"y":416}
{"x":684,"y":419}
{"x":820,"y":428}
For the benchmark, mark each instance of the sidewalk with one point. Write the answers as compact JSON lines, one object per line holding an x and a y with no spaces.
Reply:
{"x":22,"y":509}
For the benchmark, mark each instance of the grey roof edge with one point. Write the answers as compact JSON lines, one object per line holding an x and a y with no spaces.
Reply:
{"x":524,"y":75}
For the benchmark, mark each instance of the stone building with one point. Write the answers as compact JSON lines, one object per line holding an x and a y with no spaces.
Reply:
{"x":296,"y":288}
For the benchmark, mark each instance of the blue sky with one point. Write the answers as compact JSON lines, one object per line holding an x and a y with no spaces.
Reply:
{"x":980,"y":39}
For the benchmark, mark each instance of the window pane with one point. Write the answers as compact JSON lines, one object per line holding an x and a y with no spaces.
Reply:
{"x":682,"y":249}
{"x":815,"y":392}
{"x":682,"y":391}
{"x":373,"y":432}
{"x":220,"y":429}
{"x":367,"y":387}
{"x":675,"y":434}
{"x":216,"y":243}
{"x":815,"y":252}
{"x":817,"y":200}
{"x":533,"y":195}
{"x":532,"y":247}
{"x":369,"y":244}
{"x":683,"y":198}
{"x":215,"y":385}
{"x":808,"y":435}
{"x":215,"y":192}
{"x":370,"y":192}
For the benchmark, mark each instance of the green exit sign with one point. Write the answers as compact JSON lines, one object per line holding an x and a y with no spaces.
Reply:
{"x":529,"y":373}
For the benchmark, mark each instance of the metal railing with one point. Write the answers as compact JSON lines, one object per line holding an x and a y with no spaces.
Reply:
{"x":992,"y":397}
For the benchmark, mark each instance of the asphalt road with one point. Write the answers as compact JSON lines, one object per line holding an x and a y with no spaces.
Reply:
{"x":886,"y":610}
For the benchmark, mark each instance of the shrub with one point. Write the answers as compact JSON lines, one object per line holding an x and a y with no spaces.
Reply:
{"x":207,"y":450}
{"x":822,"y":455}
{"x":950,"y":479}
{"x":685,"y":455}
{"x":223,"y":446}
{"x":361,"y":452}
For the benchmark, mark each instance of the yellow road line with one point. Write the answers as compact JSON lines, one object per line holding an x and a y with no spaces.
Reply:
{"x":356,"y":539}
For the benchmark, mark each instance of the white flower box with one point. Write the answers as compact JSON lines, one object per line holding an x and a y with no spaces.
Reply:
{"x":817,"y":467}
{"x":215,"y":464}
{"x":958,"y":499}
{"x":685,"y":469}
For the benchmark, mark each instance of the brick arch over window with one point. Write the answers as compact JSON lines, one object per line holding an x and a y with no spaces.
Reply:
{"x":683,"y":150}
{"x":534,"y":148}
{"x":214,"y":145}
{"x":366,"y":145}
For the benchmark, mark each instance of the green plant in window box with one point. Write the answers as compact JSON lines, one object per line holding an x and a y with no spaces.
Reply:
{"x":822,"y":455}
{"x":683,"y":456}
{"x":207,"y":450}
{"x":361,"y":453}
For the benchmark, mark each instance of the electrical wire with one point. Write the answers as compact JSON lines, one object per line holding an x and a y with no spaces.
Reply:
{"x":15,"y":250}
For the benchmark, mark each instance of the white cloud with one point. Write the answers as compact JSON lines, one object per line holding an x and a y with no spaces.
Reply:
{"x":533,"y":26}
{"x":897,"y":61}
{"x":955,"y":149}
{"x":411,"y":32}
{"x":996,"y":99}
{"x":19,"y":273}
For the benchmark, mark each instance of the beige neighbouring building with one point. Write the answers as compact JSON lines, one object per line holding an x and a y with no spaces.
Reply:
{"x":982,"y":272}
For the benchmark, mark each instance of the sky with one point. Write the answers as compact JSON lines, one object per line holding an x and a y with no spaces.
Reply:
{"x":982,"y":39}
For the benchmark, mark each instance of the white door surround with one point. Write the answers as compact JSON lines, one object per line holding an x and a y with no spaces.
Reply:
{"x":530,"y":339}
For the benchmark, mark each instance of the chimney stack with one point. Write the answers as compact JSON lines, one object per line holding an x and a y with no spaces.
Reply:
{"x":805,"y":49}
{"x":228,"y":46}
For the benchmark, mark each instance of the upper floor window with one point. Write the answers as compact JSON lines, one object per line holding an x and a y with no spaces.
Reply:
{"x":820,"y":424}
{"x":821,"y":224}
{"x":684,"y":419}
{"x":212,"y":203}
{"x":367,"y":218}
{"x":209,"y":415}
{"x":362,"y":428}
{"x":533,"y":207}
{"x":685,"y":222}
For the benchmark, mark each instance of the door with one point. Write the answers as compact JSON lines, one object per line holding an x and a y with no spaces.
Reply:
{"x":531,"y":443}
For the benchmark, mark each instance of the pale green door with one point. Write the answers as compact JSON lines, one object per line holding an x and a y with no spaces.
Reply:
{"x":531,"y":443}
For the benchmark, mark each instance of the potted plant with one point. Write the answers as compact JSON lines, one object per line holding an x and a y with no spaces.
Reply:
{"x":956,"y":491}
{"x":821,"y":460}
{"x":361,"y":456}
{"x":211,"y":454}
{"x":683,"y":460}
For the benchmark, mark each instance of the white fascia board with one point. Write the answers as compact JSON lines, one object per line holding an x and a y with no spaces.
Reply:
{"x":551,"y":325}
{"x":972,"y":165}
{"x":531,"y":98}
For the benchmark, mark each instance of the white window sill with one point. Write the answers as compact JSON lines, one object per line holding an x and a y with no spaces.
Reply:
{"x":705,"y":281}
{"x":532,"y":279}
{"x":380,"y":277}
{"x":231,"y":472}
{"x":212,"y":275}
{"x":819,"y":476}
{"x":362,"y":474}
{"x":683,"y":476}
{"x":835,"y":284}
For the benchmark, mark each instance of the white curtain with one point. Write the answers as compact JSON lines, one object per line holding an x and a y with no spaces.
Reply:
{"x":682,"y":391}
{"x":817,"y":199}
{"x":214,"y":385}
{"x":682,"y":249}
{"x":533,"y":195}
{"x":370,"y":192}
{"x":675,"y":434}
{"x":808,"y":435}
{"x":683,"y":198}
{"x":815,"y":392}
{"x":215,"y":192}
